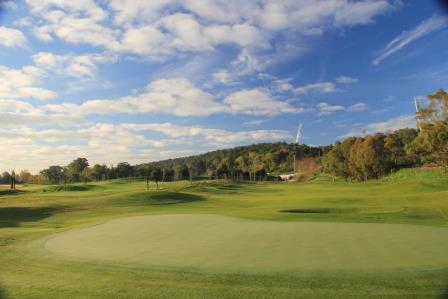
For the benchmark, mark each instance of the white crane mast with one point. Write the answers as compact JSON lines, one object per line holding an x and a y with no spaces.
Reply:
{"x":417,"y":110}
{"x":299,"y":133}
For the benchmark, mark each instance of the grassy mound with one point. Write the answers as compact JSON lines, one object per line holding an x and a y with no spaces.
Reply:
{"x":418,"y":174}
{"x":59,"y":188}
{"x":163,"y":198}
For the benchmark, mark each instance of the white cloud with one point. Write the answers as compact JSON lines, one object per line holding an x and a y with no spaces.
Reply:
{"x":160,"y":27}
{"x":326,"y":109}
{"x":357,"y":107}
{"x":21,"y":83}
{"x":283,"y":85}
{"x":228,"y":11}
{"x":79,"y":66}
{"x":243,"y":35}
{"x":180,"y":97}
{"x":360,"y":12}
{"x":400,"y":122}
{"x":258,"y":102}
{"x":130,"y":11}
{"x":214,"y":136}
{"x":407,"y":37}
{"x":43,"y":33}
{"x":8,"y":4}
{"x":346,"y":80}
{"x":142,"y":40}
{"x":255,"y":122}
{"x":12,"y":37}
{"x":171,"y":96}
{"x":88,"y":7}
{"x":324,"y":87}
{"x":311,"y":17}
{"x":224,"y":76}
{"x":15,"y":113}
{"x":393,"y":124}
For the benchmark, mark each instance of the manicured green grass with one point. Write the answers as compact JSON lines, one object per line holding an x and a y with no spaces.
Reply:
{"x":222,"y":243}
{"x":221,"y":240}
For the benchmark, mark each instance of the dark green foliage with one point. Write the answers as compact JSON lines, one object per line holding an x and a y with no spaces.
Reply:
{"x":54,"y":174}
{"x":124,"y":170}
{"x":373,"y":156}
{"x":431,"y":145}
{"x":99,"y":172}
{"x":76,"y":167}
{"x":396,"y":144}
{"x":157,"y":176}
{"x":252,"y":162}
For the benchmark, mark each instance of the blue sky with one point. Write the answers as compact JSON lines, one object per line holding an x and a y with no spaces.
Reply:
{"x":136,"y":81}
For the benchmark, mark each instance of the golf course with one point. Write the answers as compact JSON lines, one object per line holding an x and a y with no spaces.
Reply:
{"x":317,"y":238}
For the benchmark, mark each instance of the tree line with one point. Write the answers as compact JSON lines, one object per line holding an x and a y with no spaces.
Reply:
{"x":373,"y":156}
{"x":244,"y":163}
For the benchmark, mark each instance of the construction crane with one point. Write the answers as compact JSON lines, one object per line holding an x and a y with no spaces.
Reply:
{"x":299,"y":134}
{"x":417,"y":110}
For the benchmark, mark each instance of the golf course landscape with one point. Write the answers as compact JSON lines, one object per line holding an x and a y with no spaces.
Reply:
{"x":317,"y":238}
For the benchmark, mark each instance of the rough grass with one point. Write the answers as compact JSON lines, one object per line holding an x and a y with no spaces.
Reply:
{"x":27,"y":271}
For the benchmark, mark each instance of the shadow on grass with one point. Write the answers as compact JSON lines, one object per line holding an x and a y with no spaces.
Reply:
{"x":443,"y":296}
{"x":164,"y":198}
{"x":307,"y":211}
{"x":14,"y":216}
{"x":218,"y":187}
{"x":69,"y":188}
{"x":11,"y":192}
{"x":2,"y":294}
{"x":318,"y":211}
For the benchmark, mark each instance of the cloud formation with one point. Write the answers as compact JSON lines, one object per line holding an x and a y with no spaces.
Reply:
{"x":407,"y":37}
{"x":160,"y":27}
{"x":23,"y":83}
{"x":11,"y":37}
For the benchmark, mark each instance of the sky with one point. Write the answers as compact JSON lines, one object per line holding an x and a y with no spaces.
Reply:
{"x":138,"y":80}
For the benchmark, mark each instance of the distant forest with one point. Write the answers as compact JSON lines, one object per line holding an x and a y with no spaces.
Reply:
{"x":355,"y":158}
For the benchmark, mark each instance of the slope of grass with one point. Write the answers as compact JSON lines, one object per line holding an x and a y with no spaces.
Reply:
{"x":33,"y":215}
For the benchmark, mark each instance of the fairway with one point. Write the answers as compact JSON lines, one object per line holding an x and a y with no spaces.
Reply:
{"x":221,"y":243}
{"x":318,"y":239}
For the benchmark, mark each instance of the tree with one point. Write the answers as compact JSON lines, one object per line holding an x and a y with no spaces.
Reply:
{"x":86,"y":175}
{"x":124,"y":170}
{"x":242,"y":164}
{"x":354,"y":160}
{"x":156,"y":174}
{"x":334,"y":162}
{"x":76,"y":167}
{"x":372,"y":158}
{"x":436,"y":110}
{"x":13,"y":180}
{"x":256,"y":164}
{"x":431,"y":144}
{"x":54,"y":174}
{"x":179,"y":169}
{"x":25,"y":176}
{"x":192,"y":164}
{"x":148,"y":175}
{"x":99,"y":172}
{"x":395,"y":143}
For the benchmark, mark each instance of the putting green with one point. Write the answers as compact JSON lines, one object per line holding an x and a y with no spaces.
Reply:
{"x":213,"y":242}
